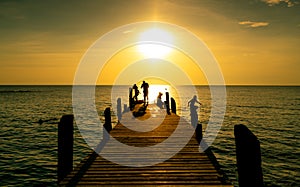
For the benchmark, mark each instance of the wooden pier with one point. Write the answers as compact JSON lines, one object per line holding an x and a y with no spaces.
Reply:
{"x":188,"y":167}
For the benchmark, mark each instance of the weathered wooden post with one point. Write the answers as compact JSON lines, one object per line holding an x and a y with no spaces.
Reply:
{"x":167,"y":103}
{"x":131,"y":101}
{"x":173,"y":105}
{"x":199,"y":134}
{"x":107,"y":125}
{"x":65,"y":147}
{"x":125,"y":109}
{"x":248,"y":157}
{"x":119,"y":109}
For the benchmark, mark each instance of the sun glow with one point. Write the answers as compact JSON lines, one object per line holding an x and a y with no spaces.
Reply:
{"x":153,"y":43}
{"x":154,"y":50}
{"x":154,"y":91}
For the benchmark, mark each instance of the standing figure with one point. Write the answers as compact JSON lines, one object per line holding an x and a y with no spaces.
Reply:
{"x":145,"y":87}
{"x":159,"y":102}
{"x":193,"y":110}
{"x":136,"y":92}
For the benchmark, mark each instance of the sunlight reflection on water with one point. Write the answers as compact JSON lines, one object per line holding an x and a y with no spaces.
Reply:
{"x":28,"y":150}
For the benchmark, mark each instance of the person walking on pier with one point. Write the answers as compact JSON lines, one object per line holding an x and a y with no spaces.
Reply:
{"x":145,"y":87}
{"x":193,"y":110}
{"x":136,"y":92}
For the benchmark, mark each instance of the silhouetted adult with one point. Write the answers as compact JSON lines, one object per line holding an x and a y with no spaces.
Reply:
{"x":136,"y":92}
{"x":193,"y":110}
{"x":145,"y":87}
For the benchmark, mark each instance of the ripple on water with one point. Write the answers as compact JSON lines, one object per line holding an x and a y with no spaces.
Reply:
{"x":28,"y":150}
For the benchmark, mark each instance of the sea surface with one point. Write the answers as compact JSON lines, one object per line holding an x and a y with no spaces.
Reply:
{"x":29,"y":117}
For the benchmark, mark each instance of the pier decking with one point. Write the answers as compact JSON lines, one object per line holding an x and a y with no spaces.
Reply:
{"x":188,"y":167}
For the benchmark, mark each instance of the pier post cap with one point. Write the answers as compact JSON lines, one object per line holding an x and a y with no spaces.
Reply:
{"x":66,"y":118}
{"x":241,"y":131}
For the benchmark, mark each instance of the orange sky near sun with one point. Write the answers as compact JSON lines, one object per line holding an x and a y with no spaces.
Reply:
{"x":254,"y":42}
{"x":132,"y":55}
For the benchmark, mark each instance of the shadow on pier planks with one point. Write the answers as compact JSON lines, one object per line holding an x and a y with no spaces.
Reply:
{"x":187,"y":167}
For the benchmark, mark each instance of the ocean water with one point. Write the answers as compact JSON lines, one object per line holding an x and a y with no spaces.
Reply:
{"x":28,"y":151}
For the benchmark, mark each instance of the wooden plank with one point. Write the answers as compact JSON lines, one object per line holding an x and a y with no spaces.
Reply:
{"x":187,"y":167}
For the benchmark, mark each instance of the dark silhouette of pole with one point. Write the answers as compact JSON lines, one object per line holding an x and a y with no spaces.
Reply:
{"x":199,"y":134}
{"x":119,"y":109}
{"x":173,"y":105}
{"x":65,"y":147}
{"x":131,"y":99}
{"x":167,"y":103}
{"x":248,"y":157}
{"x":107,"y":125}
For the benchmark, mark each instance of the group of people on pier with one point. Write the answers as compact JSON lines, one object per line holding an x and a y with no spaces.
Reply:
{"x":145,"y":87}
{"x":160,"y":103}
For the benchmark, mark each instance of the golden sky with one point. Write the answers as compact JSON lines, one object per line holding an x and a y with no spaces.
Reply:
{"x":254,"y":41}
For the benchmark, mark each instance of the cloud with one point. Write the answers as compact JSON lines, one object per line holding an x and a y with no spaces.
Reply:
{"x":253,"y":24}
{"x":128,"y":31}
{"x":275,"y":2}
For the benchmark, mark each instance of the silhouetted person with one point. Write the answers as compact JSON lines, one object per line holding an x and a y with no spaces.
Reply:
{"x":136,"y":92}
{"x":193,"y":110}
{"x":145,"y":87}
{"x":159,"y":102}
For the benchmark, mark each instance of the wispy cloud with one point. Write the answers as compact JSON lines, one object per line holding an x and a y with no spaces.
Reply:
{"x":275,"y":2}
{"x":253,"y":24}
{"x":128,"y":31}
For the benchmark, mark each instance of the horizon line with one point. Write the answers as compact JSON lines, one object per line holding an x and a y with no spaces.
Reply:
{"x":152,"y":84}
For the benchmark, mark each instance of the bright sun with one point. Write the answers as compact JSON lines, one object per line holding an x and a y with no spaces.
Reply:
{"x":151,"y":46}
{"x":154,"y":50}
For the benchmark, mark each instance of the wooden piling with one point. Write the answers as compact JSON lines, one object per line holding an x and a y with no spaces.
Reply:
{"x":248,"y":157}
{"x":131,"y":99}
{"x":167,"y":103}
{"x":119,"y":108}
{"x":199,"y":132}
{"x":107,"y":127}
{"x":65,"y":147}
{"x":173,"y":105}
{"x":125,"y":108}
